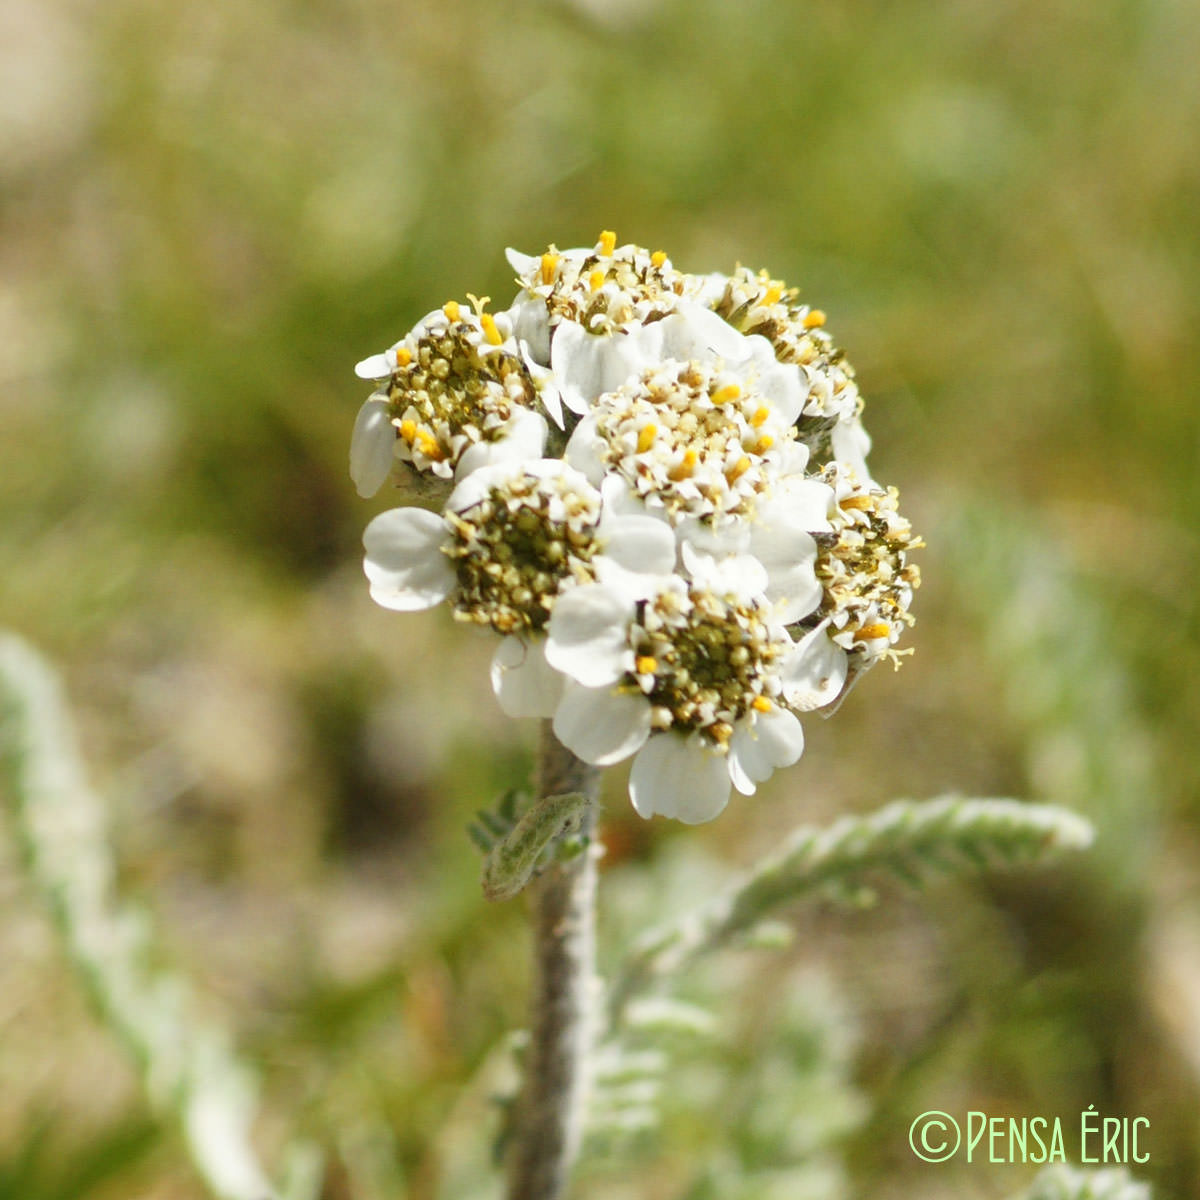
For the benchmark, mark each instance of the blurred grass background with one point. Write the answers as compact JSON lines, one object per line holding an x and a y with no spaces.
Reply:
{"x":211,"y":211}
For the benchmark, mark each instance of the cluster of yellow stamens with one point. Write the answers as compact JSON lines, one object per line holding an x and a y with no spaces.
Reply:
{"x":607,"y":289}
{"x":757,"y":304}
{"x":864,"y":569}
{"x":513,"y":551}
{"x":454,"y":385}
{"x":690,"y":441}
{"x":705,"y":663}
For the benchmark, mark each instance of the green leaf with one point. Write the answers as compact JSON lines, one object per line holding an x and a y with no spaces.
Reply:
{"x":908,"y":839}
{"x":511,"y":862}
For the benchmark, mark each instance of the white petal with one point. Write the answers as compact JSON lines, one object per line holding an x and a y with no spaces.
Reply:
{"x":526,"y":433}
{"x":772,"y":739}
{"x":531,"y":326}
{"x":477,"y":456}
{"x":779,"y":544}
{"x":851,"y":443}
{"x":731,"y":575}
{"x":679,"y":777}
{"x":523,"y":264}
{"x":795,"y":592}
{"x":473,"y":486}
{"x":600,"y":725}
{"x":589,"y":635}
{"x":789,"y":556}
{"x":588,"y":364}
{"x":404,"y":562}
{"x":577,"y":360}
{"x":525,"y":684}
{"x":586,"y":449}
{"x":630,"y":586}
{"x":377,"y":366}
{"x":694,"y":331}
{"x":372,"y":447}
{"x":793,"y":458}
{"x":782,"y":383}
{"x":543,"y":380}
{"x":737,"y":774}
{"x":743,"y":575}
{"x":814,"y":672}
{"x":523,"y":437}
{"x":638,"y":543}
{"x":551,"y":399}
{"x":703,"y":537}
{"x":805,"y":503}
{"x":619,"y":498}
{"x":706,"y":289}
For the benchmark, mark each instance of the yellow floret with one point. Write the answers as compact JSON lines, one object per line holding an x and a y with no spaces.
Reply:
{"x":685,"y":468}
{"x":868,"y":633}
{"x":862,"y":503}
{"x":429,"y":446}
{"x":489,"y":329}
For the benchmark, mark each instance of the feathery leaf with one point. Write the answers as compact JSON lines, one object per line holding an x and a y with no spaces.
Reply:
{"x":907,"y":838}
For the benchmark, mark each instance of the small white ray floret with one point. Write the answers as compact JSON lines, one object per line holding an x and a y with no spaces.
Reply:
{"x":372,"y":446}
{"x":523,"y":682}
{"x":773,"y":739}
{"x":589,"y":637}
{"x":601,"y":725}
{"x":674,"y":776}
{"x":404,"y":563}
{"x":816,"y":672}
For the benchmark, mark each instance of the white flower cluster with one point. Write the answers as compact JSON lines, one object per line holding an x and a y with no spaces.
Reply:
{"x":654,"y":489}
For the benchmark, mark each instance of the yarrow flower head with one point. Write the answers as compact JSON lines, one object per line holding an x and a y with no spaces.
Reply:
{"x":696,"y":556}
{"x":606,"y":289}
{"x":757,"y":305}
{"x":694,"y":678}
{"x":455,"y":393}
{"x":692,"y":440}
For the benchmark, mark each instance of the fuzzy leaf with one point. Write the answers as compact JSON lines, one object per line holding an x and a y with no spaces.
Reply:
{"x":511,"y":862}
{"x":1061,"y":1182}
{"x":908,"y":839}
{"x":189,"y":1070}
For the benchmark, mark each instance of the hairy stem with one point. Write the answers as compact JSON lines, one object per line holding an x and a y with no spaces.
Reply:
{"x":549,"y":1119}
